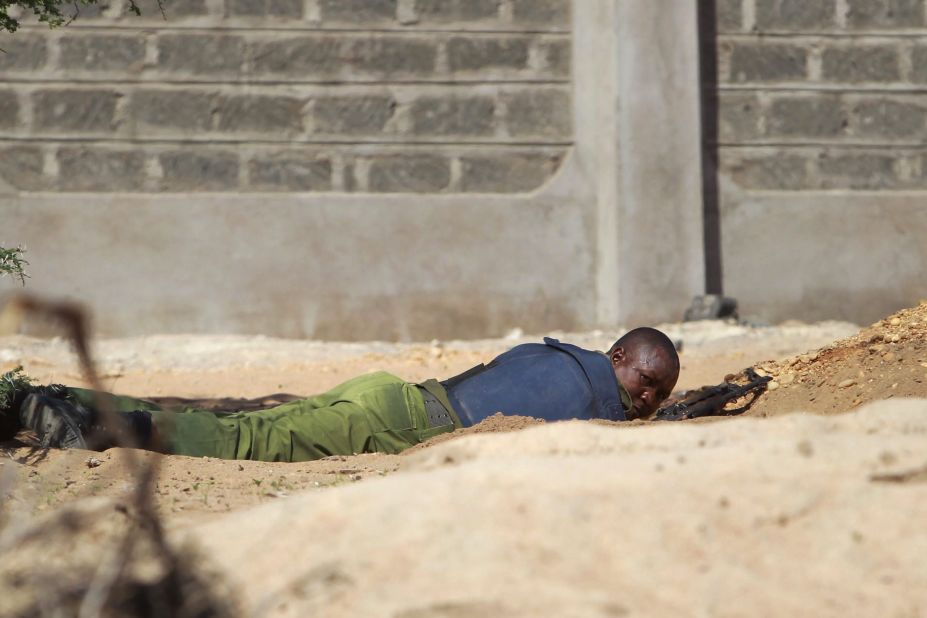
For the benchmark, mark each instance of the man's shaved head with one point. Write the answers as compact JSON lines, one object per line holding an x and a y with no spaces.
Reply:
{"x":647,"y":365}
{"x":651,"y":337}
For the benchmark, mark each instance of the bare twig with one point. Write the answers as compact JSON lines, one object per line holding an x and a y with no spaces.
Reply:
{"x":72,"y":320}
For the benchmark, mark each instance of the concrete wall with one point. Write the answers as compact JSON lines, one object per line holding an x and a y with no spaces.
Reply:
{"x":357,"y":169}
{"x":823,"y":168}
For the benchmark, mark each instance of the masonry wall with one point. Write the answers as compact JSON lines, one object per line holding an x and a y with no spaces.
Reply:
{"x":372,"y":96}
{"x":357,"y":169}
{"x":823,"y":125}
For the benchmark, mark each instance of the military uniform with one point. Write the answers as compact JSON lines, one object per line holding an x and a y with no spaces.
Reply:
{"x":376,"y":412}
{"x":379,"y":412}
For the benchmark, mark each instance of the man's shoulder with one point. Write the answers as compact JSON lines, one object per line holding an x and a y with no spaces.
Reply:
{"x":549,"y":344}
{"x":581,"y":354}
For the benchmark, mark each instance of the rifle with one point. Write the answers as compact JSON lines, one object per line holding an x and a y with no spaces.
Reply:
{"x":710,"y":400}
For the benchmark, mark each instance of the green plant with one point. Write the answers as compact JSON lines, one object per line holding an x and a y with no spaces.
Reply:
{"x":12,"y":383}
{"x":50,"y":11}
{"x":12,"y":262}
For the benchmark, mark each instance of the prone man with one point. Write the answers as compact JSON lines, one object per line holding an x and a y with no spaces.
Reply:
{"x":372,"y":413}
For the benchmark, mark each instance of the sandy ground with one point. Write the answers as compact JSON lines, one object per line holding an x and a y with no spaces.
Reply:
{"x":229,"y":367}
{"x":851,"y":486}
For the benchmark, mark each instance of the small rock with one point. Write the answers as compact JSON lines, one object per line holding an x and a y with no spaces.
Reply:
{"x":761,"y":372}
{"x":93,"y":462}
{"x":793,"y":362}
{"x":787,"y":379}
{"x":889,"y":356}
{"x":814,"y":356}
{"x":896,"y":338}
{"x":847,"y":383}
{"x":805,"y":358}
{"x":895,"y":322}
{"x":773,"y":385}
{"x":515,"y":333}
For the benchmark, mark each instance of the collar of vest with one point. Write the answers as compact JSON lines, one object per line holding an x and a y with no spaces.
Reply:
{"x":606,"y":390}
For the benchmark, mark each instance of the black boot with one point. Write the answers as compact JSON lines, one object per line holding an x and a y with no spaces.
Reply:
{"x":56,"y":422}
{"x":132,"y":429}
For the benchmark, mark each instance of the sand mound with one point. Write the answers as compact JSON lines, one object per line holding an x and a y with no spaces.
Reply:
{"x":497,"y":423}
{"x":797,"y":515}
{"x":888,"y":359}
{"x":793,"y":515}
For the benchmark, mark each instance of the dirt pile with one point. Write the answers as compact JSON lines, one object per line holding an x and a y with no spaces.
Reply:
{"x":639,"y":518}
{"x":497,"y":423}
{"x":885,"y":360}
{"x":190,"y":489}
{"x":99,"y":557}
{"x":798,"y":515}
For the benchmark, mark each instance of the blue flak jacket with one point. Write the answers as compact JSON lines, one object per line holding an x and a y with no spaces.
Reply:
{"x":551,"y":380}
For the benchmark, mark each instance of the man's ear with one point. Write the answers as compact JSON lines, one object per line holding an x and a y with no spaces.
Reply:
{"x":617,"y":356}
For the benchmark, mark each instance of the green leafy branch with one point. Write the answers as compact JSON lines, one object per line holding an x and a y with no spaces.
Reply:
{"x":12,"y":262}
{"x":50,"y":11}
{"x":11,"y":383}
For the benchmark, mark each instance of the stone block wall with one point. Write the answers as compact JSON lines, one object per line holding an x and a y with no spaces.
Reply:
{"x":371,"y":96}
{"x":822,"y":144}
{"x":823,"y":95}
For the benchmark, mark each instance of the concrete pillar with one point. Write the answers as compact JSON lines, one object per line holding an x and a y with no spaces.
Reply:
{"x":638,"y":138}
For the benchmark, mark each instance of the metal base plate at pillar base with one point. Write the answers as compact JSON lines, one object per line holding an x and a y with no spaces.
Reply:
{"x":711,"y":307}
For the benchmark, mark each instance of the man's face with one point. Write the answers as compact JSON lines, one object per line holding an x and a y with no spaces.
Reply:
{"x":647,"y":373}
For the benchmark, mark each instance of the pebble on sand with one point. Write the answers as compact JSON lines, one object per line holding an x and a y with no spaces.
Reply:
{"x":846,"y":383}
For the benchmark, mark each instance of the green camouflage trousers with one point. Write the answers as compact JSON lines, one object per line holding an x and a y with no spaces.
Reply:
{"x":376,"y":412}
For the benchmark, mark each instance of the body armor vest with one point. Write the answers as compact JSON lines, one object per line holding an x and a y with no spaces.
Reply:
{"x":554,"y":381}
